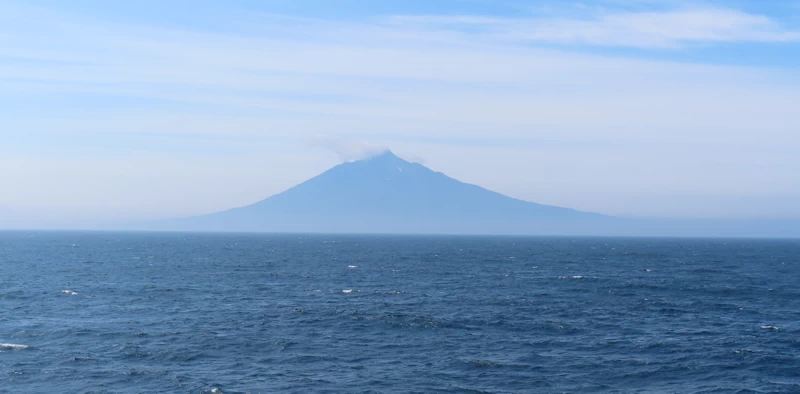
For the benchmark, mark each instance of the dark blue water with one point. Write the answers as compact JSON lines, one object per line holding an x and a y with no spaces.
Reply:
{"x":115,"y":312}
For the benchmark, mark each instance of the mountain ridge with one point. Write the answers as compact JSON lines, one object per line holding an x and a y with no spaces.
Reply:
{"x":385,"y":193}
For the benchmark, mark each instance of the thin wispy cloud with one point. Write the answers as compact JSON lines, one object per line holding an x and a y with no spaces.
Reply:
{"x":664,"y":29}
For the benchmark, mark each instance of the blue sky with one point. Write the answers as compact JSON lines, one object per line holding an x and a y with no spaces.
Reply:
{"x":120,"y":110}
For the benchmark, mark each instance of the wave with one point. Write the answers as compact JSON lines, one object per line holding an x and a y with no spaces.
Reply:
{"x":70,"y":292}
{"x":12,"y":346}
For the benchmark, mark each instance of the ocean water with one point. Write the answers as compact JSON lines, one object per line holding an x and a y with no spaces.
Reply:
{"x":233,"y":313}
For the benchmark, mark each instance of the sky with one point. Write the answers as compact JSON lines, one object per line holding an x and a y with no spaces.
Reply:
{"x":642,"y":108}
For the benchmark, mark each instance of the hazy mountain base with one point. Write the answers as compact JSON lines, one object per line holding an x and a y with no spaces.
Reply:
{"x":281,"y":223}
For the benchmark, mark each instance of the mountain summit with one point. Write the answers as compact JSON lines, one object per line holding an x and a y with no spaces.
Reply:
{"x":386,"y":194}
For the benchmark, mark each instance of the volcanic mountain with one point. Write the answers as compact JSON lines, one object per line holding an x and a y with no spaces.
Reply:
{"x":386,"y":194}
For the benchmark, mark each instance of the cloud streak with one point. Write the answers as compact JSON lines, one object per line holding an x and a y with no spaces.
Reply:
{"x":662,"y":29}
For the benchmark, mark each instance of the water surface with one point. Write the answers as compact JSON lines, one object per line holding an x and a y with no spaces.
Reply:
{"x":171,"y":312}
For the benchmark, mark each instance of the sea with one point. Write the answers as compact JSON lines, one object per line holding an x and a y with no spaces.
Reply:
{"x":104,"y":312}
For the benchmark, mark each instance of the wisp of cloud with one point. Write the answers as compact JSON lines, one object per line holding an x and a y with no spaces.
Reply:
{"x":346,"y":149}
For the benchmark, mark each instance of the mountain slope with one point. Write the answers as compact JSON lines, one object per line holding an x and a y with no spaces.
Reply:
{"x":387,"y":194}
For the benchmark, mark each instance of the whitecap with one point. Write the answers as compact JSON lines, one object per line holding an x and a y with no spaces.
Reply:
{"x":12,"y":346}
{"x":352,"y":266}
{"x":577,"y":277}
{"x":70,"y":292}
{"x":770,"y":328}
{"x":348,"y":291}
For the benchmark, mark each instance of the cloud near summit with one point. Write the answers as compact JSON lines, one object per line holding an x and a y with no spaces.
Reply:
{"x":346,"y":149}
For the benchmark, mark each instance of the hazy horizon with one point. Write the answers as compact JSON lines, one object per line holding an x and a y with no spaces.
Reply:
{"x":652,"y":109}
{"x":382,"y":193}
